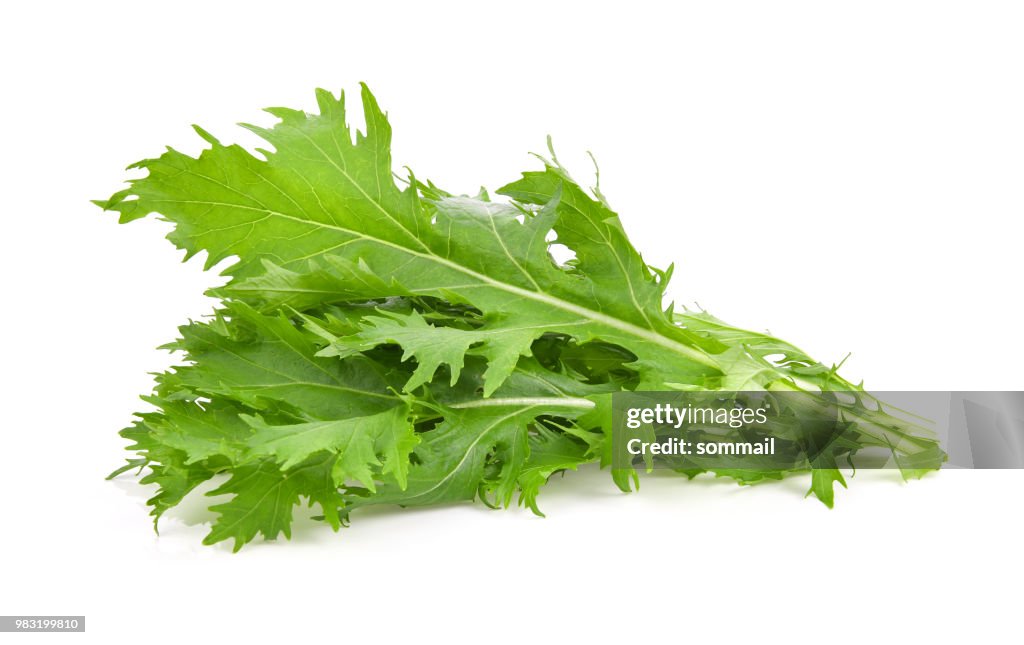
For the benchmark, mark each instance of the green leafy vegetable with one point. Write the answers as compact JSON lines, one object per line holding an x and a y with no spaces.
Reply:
{"x":386,"y":343}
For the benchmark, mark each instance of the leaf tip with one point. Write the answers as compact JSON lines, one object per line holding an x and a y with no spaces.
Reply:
{"x":206,"y":136}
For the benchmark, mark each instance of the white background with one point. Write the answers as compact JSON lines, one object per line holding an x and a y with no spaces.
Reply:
{"x":847,"y":175}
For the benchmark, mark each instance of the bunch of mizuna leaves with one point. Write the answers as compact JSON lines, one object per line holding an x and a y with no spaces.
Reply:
{"x":382,"y":341}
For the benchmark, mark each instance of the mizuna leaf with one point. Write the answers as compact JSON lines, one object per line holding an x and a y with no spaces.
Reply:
{"x":453,"y":458}
{"x":319,"y":196}
{"x":822,"y":481}
{"x":264,"y":498}
{"x":433,"y":346}
{"x":482,"y":445}
{"x":550,"y":452}
{"x":202,"y":432}
{"x":355,"y":440}
{"x":265,"y":362}
{"x":169,"y":468}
